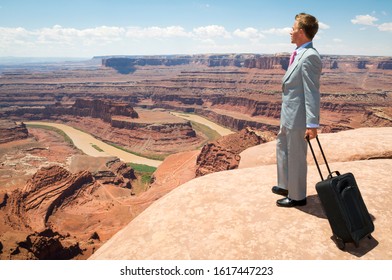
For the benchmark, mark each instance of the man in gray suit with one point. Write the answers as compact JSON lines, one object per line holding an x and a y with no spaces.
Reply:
{"x":300,"y":113}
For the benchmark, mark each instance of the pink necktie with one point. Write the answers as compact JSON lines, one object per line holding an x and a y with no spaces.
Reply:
{"x":292,"y":57}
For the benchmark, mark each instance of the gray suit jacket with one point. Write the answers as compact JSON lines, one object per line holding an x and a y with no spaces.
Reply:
{"x":301,"y":90}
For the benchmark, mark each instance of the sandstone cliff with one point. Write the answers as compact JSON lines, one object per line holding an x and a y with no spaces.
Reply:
{"x":95,"y":108}
{"x":103,"y":109}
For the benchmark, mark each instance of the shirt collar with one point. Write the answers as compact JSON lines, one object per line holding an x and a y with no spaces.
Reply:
{"x":302,"y":47}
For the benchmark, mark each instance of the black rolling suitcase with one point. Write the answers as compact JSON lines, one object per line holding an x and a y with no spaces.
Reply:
{"x":343,"y":205}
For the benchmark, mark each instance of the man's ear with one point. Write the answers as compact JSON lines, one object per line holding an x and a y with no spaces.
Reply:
{"x":303,"y":34}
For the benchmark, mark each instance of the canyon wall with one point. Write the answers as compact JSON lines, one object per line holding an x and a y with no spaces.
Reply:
{"x":95,"y":108}
{"x":234,"y":90}
{"x":236,"y":123}
{"x":103,"y":109}
{"x":277,"y":61}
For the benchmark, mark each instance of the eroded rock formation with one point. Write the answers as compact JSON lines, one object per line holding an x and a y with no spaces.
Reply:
{"x":11,"y":131}
{"x":106,"y":170}
{"x":46,"y":245}
{"x":224,"y":153}
{"x":32,"y":213}
{"x":49,"y":189}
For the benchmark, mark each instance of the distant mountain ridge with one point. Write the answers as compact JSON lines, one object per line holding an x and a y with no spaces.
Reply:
{"x":259,"y":61}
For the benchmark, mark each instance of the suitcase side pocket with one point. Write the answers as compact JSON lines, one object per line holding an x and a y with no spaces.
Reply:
{"x":350,"y":198}
{"x":358,"y":219}
{"x":334,"y":209}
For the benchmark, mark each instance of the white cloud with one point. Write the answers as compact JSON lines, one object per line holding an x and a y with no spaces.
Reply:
{"x":9,"y":33}
{"x":248,"y":33}
{"x":58,"y":35}
{"x":364,"y":20}
{"x":102,"y":32}
{"x":72,"y":36}
{"x":65,"y":41}
{"x":385,"y":26}
{"x":370,"y":21}
{"x":323,"y":26}
{"x":278,"y":31}
{"x":12,"y":38}
{"x":157,"y":32}
{"x":211,"y":31}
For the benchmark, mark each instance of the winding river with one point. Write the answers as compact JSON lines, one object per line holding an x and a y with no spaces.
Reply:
{"x":86,"y":142}
{"x":192,"y":117}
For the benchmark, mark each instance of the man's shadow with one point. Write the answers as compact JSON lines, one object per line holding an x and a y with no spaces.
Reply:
{"x":314,"y":207}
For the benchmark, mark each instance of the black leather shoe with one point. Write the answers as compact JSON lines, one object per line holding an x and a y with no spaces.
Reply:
{"x":280,"y":191}
{"x":288,"y":202}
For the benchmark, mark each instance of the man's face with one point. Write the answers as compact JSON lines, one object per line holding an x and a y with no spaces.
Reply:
{"x":295,"y":33}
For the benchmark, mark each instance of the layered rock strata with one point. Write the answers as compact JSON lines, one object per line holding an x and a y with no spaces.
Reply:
{"x":105,"y":170}
{"x":277,"y":61}
{"x":49,"y":189}
{"x":41,"y":215}
{"x":11,"y":131}
{"x":103,"y":109}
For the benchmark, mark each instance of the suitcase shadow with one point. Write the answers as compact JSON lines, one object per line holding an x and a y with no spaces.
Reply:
{"x":365,"y":245}
{"x":314,"y":207}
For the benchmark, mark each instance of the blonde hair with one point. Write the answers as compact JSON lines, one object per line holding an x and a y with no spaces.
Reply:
{"x":308,"y":23}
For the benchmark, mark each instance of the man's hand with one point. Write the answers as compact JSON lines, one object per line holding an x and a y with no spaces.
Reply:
{"x":311,"y":133}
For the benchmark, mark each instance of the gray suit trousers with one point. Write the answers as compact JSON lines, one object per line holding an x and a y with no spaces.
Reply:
{"x":291,"y":150}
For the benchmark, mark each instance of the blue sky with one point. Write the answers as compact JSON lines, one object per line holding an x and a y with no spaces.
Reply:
{"x":87,"y":28}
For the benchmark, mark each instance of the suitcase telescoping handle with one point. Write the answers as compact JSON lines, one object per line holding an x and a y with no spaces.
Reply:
{"x":325,"y":160}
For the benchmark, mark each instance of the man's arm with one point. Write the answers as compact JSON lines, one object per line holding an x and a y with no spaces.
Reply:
{"x":311,"y":71}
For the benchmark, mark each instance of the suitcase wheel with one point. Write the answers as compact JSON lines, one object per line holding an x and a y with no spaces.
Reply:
{"x":339,"y":243}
